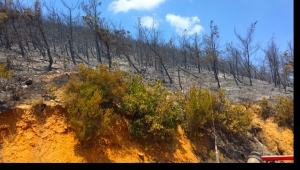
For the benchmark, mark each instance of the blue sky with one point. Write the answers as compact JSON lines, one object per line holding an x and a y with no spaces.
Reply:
{"x":274,"y":17}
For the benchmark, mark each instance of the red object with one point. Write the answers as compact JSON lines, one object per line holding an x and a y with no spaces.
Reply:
{"x":278,"y":158}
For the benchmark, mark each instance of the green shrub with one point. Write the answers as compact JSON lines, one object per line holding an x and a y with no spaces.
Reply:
{"x":212,"y":156}
{"x":282,"y":110}
{"x":92,"y":98}
{"x":234,"y":118}
{"x":199,"y":108}
{"x":285,"y":111}
{"x":267,"y":109}
{"x":238,"y":119}
{"x":153,"y":111}
{"x":111,"y":84}
{"x":204,"y":109}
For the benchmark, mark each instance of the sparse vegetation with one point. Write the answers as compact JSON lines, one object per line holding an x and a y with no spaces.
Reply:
{"x":199,"y":108}
{"x":3,"y":17}
{"x":51,"y":91}
{"x":282,"y":110}
{"x":267,"y":109}
{"x":5,"y":75}
{"x":212,"y":156}
{"x":65,"y":61}
{"x":37,"y":105}
{"x":285,"y":111}
{"x":204,"y":109}
{"x":238,"y":119}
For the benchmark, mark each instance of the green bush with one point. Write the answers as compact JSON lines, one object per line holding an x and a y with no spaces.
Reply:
{"x":91,"y":99}
{"x":199,"y":107}
{"x":112,"y":84}
{"x":282,"y":110}
{"x":267,"y":109}
{"x":238,"y":119}
{"x":94,"y":96}
{"x":285,"y":111}
{"x":212,"y":156}
{"x":153,"y":111}
{"x":203,"y":109}
{"x":234,"y":118}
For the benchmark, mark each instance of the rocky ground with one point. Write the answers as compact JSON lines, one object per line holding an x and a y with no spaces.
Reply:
{"x":45,"y":136}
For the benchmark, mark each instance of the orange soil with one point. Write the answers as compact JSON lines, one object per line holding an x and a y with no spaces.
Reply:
{"x":26,"y":137}
{"x":275,"y":137}
{"x":46,"y":137}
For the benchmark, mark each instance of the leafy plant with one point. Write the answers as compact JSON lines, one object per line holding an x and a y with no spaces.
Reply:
{"x":267,"y":108}
{"x":282,"y":110}
{"x":234,"y":118}
{"x":199,"y":108}
{"x":205,"y":109}
{"x":153,"y":111}
{"x":238,"y":118}
{"x":91,"y":99}
{"x":212,"y":156}
{"x":285,"y":111}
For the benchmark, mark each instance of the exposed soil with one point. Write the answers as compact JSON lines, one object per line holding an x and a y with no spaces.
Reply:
{"x":35,"y":136}
{"x":29,"y":137}
{"x":279,"y":140}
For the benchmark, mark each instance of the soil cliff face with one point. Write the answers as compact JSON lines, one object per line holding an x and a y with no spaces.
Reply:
{"x":28,"y":136}
{"x":37,"y":137}
{"x":45,"y":136}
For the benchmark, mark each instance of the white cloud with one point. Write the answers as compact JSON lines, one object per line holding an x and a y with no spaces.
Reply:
{"x":185,"y":23}
{"x":149,"y":22}
{"x":126,"y":5}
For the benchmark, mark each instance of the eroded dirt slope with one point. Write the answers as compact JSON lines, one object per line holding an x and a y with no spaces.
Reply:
{"x":28,"y":136}
{"x":279,"y":140}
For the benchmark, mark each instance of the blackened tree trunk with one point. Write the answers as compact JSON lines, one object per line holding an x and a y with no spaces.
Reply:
{"x":19,"y":38}
{"x":248,"y":49}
